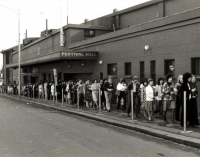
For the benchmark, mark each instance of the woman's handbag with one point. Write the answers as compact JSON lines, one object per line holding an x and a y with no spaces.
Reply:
{"x":117,"y":93}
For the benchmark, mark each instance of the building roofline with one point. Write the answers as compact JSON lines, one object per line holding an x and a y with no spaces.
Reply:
{"x":56,"y":31}
{"x":178,"y":17}
{"x":8,"y":49}
{"x":135,"y":7}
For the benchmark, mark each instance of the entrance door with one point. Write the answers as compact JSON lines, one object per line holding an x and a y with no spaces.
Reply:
{"x":34,"y":80}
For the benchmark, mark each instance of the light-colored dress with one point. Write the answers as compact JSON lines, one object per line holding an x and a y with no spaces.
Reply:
{"x":95,"y":91}
{"x":143,"y":100}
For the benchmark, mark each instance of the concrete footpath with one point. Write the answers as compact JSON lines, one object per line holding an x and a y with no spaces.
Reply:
{"x":156,"y":128}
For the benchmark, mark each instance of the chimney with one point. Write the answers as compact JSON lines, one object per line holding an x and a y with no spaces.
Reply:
{"x":25,"y":34}
{"x":46,"y":24}
{"x":115,"y":10}
{"x":86,"y":20}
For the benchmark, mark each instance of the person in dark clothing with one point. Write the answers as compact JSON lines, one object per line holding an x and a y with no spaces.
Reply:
{"x":193,"y":109}
{"x":185,"y":88}
{"x":48,"y":90}
{"x":178,"y":97}
{"x":59,"y":90}
{"x":135,"y":86}
{"x":103,"y":98}
{"x":35,"y":90}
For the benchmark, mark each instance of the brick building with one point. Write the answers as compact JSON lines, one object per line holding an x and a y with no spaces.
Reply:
{"x":141,"y":40}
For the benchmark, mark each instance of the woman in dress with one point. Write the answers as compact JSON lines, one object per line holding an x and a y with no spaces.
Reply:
{"x":150,"y":96}
{"x":169,"y":97}
{"x":193,"y":109}
{"x":144,"y":84}
{"x":159,"y":91}
{"x":88,"y":94}
{"x":95,"y":93}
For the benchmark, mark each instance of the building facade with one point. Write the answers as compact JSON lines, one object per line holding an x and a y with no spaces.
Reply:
{"x":141,"y":40}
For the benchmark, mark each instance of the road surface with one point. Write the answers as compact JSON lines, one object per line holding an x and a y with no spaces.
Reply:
{"x":28,"y":130}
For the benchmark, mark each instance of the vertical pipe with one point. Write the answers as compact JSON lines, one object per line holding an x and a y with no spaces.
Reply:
{"x":38,"y":94}
{"x":62,"y":98}
{"x":99,"y":100}
{"x":185,"y":111}
{"x":53,"y":94}
{"x":56,"y":98}
{"x":132,"y":105}
{"x":67,"y":12}
{"x":77,"y":98}
{"x":46,"y":24}
{"x":33,"y":92}
{"x":19,"y":59}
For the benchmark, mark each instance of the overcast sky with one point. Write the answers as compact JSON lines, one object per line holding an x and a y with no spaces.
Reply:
{"x":35,"y":12}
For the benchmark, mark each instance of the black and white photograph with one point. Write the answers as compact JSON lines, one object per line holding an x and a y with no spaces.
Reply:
{"x":99,"y":78}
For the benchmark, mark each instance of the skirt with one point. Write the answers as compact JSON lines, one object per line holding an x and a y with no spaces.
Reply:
{"x":149,"y":106}
{"x":95,"y":95}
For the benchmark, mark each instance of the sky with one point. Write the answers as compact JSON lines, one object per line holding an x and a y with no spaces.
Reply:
{"x":33,"y":15}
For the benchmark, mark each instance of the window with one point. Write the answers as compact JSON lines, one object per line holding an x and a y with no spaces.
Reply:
{"x":142,"y":72}
{"x":89,"y":33}
{"x":127,"y":69}
{"x":153,"y":70}
{"x":195,"y":66}
{"x":112,"y":69}
{"x":167,"y":64}
{"x":101,"y":76}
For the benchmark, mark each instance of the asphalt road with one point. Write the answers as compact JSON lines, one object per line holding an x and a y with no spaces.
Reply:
{"x":32,"y":131}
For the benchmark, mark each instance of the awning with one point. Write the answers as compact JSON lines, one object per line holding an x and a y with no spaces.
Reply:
{"x":61,"y":55}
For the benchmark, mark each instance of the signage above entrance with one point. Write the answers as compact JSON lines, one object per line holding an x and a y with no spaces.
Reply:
{"x":79,"y":55}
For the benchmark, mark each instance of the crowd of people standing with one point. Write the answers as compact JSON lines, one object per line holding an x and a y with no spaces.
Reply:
{"x":149,"y":98}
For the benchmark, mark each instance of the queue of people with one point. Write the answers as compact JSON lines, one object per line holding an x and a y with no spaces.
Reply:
{"x":149,"y":98}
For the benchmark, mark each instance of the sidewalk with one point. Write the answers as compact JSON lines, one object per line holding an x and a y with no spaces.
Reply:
{"x":156,"y":128}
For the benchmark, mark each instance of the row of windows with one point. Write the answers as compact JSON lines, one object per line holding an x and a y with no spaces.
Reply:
{"x":112,"y":68}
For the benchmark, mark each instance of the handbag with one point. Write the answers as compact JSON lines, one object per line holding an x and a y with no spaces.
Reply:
{"x":117,"y":93}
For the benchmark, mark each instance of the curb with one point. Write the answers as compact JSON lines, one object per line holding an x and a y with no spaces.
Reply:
{"x":180,"y":139}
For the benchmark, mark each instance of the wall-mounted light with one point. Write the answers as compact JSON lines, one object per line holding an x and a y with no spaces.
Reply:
{"x":100,"y":62}
{"x":69,"y":65}
{"x":83,"y":64}
{"x":146,"y":47}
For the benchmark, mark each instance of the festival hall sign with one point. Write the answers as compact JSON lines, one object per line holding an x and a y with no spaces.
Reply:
{"x":81,"y":55}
